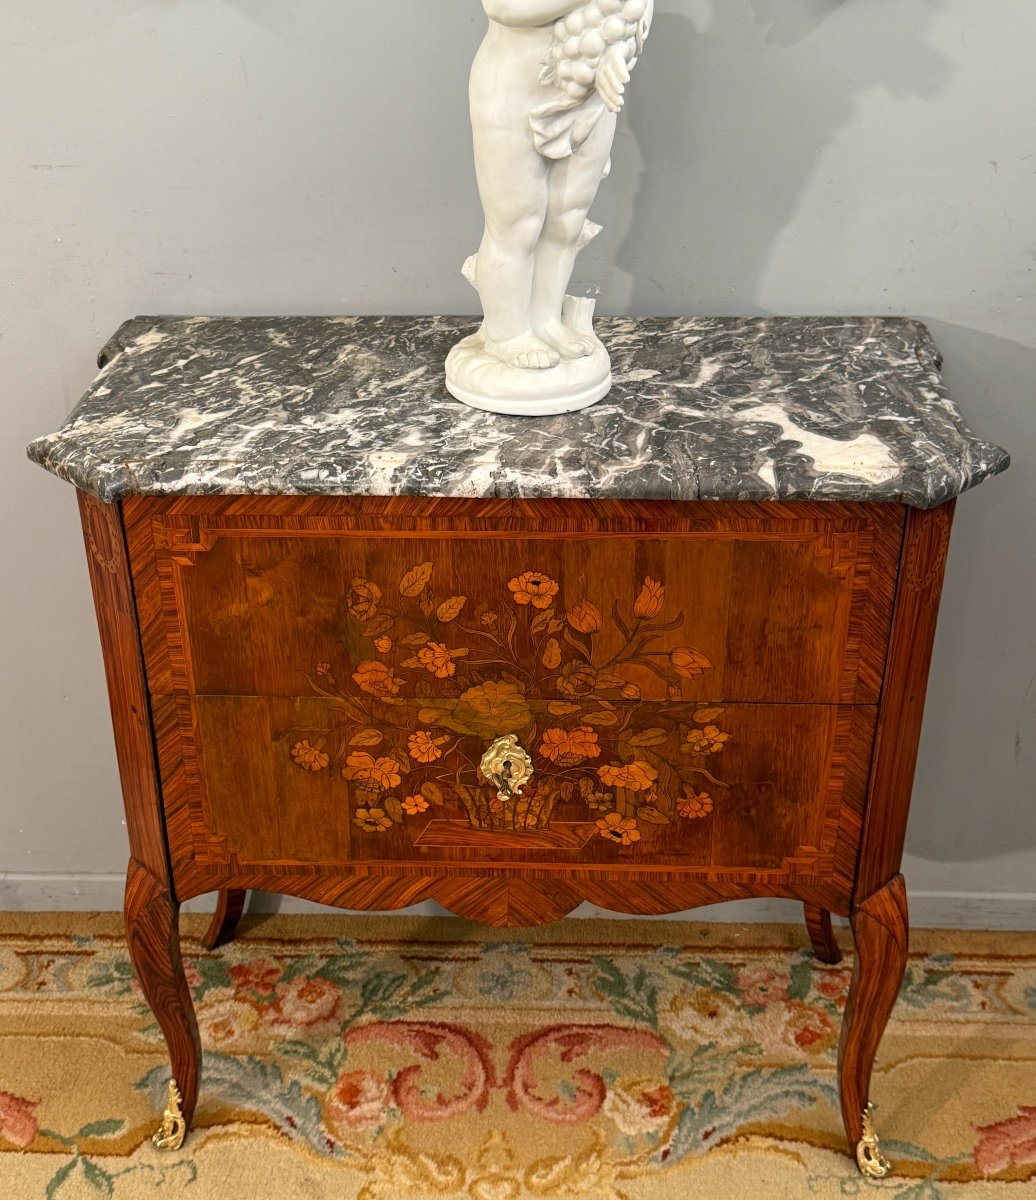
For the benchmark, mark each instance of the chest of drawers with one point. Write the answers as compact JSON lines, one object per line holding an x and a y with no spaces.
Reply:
{"x":398,"y":683}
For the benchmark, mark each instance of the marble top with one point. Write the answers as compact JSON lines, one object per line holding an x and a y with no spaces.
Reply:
{"x":796,"y":408}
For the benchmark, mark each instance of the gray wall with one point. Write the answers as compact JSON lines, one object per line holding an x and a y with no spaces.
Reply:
{"x":255,"y":156}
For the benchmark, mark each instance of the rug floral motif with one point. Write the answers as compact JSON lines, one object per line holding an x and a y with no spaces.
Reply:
{"x":404,"y":1060}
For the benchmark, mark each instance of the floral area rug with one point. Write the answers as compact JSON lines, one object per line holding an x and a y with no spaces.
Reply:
{"x":407,"y":1059}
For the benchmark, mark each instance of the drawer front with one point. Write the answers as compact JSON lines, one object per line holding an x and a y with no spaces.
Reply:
{"x":740,"y":604}
{"x":755,"y":793}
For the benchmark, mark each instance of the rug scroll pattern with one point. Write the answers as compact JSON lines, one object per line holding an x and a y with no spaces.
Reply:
{"x":408,"y":1061}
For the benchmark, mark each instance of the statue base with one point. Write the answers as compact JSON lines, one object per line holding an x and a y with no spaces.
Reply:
{"x":481,"y":380}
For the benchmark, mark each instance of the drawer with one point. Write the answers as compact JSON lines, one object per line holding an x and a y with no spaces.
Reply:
{"x":751,"y":792}
{"x":739,"y":603}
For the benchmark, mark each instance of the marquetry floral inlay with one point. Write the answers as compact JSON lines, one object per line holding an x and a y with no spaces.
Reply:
{"x":444,"y":677}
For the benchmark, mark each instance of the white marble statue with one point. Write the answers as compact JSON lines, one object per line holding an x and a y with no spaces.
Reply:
{"x":546,"y":89}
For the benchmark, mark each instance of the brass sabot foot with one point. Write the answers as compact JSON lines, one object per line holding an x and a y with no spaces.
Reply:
{"x":173,"y":1130}
{"x":869,"y":1157}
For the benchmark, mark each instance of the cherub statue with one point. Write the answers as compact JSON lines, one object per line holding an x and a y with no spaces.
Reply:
{"x":546,"y":89}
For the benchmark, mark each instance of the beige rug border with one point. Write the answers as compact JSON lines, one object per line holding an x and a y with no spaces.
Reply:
{"x":322,"y":927}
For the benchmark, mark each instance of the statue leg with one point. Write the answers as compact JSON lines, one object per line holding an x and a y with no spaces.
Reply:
{"x":229,"y":907}
{"x":154,"y":945}
{"x":880,"y":933}
{"x":512,"y":182}
{"x":572,"y":188}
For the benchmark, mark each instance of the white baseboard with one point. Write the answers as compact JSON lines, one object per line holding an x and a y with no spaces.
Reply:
{"x":928,"y":910}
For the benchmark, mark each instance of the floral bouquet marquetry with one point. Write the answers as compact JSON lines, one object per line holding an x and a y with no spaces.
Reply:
{"x":444,"y":678}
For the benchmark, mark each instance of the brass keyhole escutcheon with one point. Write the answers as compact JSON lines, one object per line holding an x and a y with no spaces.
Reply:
{"x":508,"y":766}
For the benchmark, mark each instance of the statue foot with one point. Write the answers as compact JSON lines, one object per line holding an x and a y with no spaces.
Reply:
{"x":567,"y":342}
{"x":526,"y":351}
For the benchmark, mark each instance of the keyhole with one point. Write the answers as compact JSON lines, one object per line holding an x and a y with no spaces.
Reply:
{"x":507,"y":768}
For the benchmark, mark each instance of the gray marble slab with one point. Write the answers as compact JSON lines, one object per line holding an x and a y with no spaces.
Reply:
{"x":702,"y":409}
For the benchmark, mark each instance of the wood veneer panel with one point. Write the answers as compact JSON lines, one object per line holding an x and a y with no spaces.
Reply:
{"x":127,"y":690}
{"x":923,"y":566}
{"x":469,"y":516}
{"x":470,"y":893}
{"x":788,"y":601}
{"x":151,"y":907}
{"x":786,"y":805}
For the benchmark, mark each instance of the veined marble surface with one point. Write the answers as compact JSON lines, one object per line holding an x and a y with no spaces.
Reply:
{"x":808,"y":408}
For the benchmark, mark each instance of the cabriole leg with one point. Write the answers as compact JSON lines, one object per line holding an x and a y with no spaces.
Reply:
{"x":822,"y":934}
{"x":154,"y":945}
{"x":880,"y":931}
{"x":229,"y":907}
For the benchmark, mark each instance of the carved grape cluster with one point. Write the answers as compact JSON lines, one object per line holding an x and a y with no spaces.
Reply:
{"x":582,"y":39}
